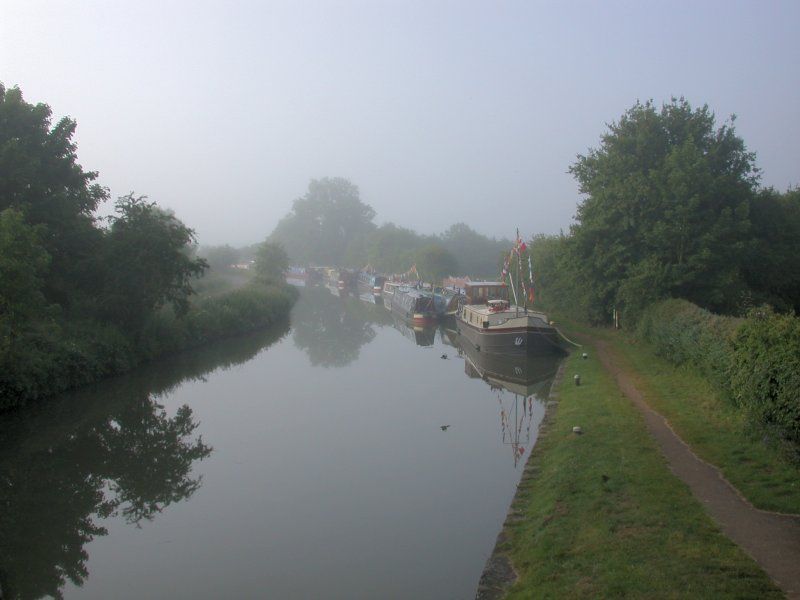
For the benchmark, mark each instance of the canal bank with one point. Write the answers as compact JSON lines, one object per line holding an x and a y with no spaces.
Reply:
{"x":340,"y":457}
{"x":599,"y":514}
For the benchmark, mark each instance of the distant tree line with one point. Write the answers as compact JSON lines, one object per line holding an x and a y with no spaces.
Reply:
{"x":672,"y":208}
{"x":77,"y":293}
{"x":331,"y":226}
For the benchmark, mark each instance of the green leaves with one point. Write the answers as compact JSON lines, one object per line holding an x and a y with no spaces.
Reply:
{"x":666,"y":211}
{"x":434,"y":263}
{"x":146,"y":263}
{"x":23,"y":262}
{"x":324,"y":223}
{"x":271,"y":263}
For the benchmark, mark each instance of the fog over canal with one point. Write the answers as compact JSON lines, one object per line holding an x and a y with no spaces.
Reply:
{"x":305,"y":462}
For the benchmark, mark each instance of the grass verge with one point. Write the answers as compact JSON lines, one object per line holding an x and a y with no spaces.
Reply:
{"x":716,"y":430}
{"x":604,"y":517}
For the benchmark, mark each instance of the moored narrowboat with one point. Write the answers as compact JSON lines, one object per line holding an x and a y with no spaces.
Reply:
{"x":413,"y":305}
{"x":489,"y":322}
{"x":370,"y":282}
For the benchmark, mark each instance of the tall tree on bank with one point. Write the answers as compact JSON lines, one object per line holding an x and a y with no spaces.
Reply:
{"x":773,"y":267}
{"x":41,"y":178}
{"x":324,"y":223}
{"x":434,"y":263}
{"x":477,"y":254}
{"x":147,"y":263}
{"x":665,"y":212}
{"x":271,"y":263}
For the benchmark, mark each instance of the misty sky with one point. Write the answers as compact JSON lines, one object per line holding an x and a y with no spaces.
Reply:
{"x":439,"y":111}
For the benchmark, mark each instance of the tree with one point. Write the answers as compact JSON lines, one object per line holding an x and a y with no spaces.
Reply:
{"x":271,"y":263}
{"x":147,"y":262}
{"x":220,"y":258}
{"x":23,"y":263}
{"x":772,"y":269}
{"x":666,"y":210}
{"x":391,"y":249}
{"x":324,"y":222}
{"x":434,"y":263}
{"x":40,"y":177}
{"x":477,"y":254}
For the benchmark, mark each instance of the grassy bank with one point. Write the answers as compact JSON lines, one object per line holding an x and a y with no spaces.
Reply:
{"x":717,"y":431}
{"x":57,"y":355}
{"x":604,"y":516}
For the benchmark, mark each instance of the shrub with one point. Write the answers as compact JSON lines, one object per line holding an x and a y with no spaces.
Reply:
{"x":766,"y":373}
{"x":683,"y":333}
{"x":52,"y":357}
{"x":755,"y":362}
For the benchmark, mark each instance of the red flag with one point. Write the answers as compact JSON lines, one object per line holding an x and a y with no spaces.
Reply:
{"x":531,"y":295}
{"x":522,"y":247}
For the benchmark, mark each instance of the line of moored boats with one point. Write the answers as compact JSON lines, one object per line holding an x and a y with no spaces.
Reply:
{"x":482,"y":310}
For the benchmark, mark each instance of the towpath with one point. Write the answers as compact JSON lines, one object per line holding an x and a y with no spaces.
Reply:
{"x":771,"y":539}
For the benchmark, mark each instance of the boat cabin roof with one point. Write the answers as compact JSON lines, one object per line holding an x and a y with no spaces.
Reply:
{"x":480,"y":292}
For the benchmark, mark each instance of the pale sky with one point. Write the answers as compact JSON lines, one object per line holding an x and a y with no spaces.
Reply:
{"x":439,"y":111}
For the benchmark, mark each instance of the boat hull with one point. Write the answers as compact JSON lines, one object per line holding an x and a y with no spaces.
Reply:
{"x":531,"y":341}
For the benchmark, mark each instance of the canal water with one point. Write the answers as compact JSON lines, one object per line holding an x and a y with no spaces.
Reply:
{"x":339,"y":455}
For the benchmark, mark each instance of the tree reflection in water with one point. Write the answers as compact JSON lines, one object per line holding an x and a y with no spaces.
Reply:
{"x":331,"y":330}
{"x":108,"y":451}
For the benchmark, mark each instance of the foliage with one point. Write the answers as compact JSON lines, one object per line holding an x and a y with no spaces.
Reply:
{"x":271,"y":263}
{"x":23,"y":262}
{"x":51,"y":358}
{"x":685,"y":333}
{"x":324,"y":223}
{"x":765,"y":373}
{"x":330,"y":226}
{"x":755,"y":362}
{"x":557,"y":278}
{"x":147,"y":263}
{"x":477,"y":255}
{"x":220,"y":258}
{"x":79,"y":302}
{"x":434,"y":263}
{"x":251,"y":307}
{"x":717,"y":430}
{"x":665,"y":212}
{"x":391,"y":249}
{"x":40,"y":176}
{"x":772,"y":269}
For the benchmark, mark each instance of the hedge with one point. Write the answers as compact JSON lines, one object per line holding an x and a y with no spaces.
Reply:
{"x":754,"y":361}
{"x":51,"y":357}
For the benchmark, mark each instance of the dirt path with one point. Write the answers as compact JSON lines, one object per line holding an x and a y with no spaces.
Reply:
{"x":771,"y":539}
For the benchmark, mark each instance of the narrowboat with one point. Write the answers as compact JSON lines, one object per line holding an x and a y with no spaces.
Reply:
{"x":370,"y":282}
{"x":489,"y":322}
{"x":413,"y":306}
{"x":389,"y":288}
{"x":447,"y":302}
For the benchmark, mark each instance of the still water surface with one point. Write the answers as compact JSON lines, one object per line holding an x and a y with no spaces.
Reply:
{"x":309,"y":461}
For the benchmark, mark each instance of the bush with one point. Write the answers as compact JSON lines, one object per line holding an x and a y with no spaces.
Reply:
{"x":53,"y":357}
{"x":766,"y":373}
{"x":755,"y":362}
{"x":683,"y":333}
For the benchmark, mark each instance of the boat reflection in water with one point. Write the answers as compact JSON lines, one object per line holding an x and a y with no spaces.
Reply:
{"x":520,"y":382}
{"x":421,"y":336}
